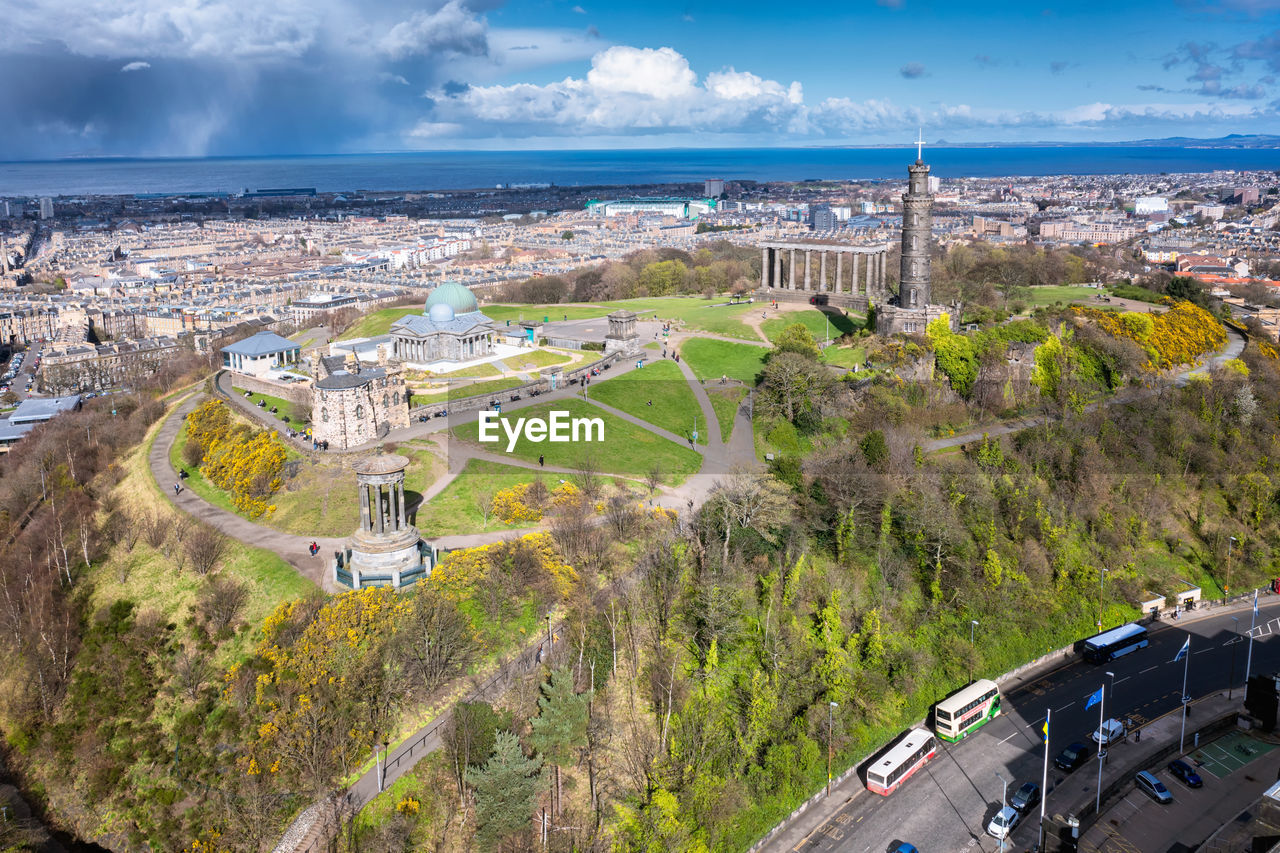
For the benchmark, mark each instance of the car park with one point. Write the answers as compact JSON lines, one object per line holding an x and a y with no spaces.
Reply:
{"x":1109,"y":732}
{"x":1026,"y":798}
{"x":1185,"y":773}
{"x":1148,"y":784}
{"x":1004,"y":822}
{"x":1072,"y":757}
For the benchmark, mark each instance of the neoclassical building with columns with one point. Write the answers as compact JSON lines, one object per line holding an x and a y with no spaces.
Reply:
{"x":854,"y":274}
{"x":451,"y":328}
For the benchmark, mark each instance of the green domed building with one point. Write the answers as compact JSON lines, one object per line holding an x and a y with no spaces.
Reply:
{"x":450,"y":328}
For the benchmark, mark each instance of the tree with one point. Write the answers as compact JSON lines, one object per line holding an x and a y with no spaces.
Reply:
{"x":798,"y":339}
{"x":206,"y":546}
{"x":469,"y":736}
{"x":220,"y":601}
{"x":505,"y":792}
{"x":792,"y":386}
{"x":436,"y":641}
{"x":567,"y":235}
{"x":561,"y":725}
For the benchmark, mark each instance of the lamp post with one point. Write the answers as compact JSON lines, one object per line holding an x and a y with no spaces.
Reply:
{"x":1231,"y":679}
{"x":1102,"y":583}
{"x":1102,"y":735}
{"x":973,"y":623}
{"x":831,"y":707}
{"x":549,"y":638}
{"x":1231,"y":547}
{"x":1004,"y":803}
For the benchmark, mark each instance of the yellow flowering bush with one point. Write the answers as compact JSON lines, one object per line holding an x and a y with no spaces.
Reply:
{"x":462,"y":572}
{"x":514,"y":505}
{"x":1178,"y":336}
{"x":247,"y":463}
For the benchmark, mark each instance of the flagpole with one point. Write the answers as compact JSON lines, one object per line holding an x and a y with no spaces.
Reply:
{"x":1102,"y":709}
{"x":1186,"y":662}
{"x":1044,"y":777}
{"x":1248,"y":660}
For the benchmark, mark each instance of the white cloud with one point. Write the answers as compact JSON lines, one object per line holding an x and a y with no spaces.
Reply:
{"x":660,"y":73}
{"x":579,"y":10}
{"x":453,"y":28}
{"x":135,"y":66}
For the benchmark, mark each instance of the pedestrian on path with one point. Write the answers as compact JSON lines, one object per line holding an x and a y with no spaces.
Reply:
{"x":541,"y":460}
{"x":177,"y":489}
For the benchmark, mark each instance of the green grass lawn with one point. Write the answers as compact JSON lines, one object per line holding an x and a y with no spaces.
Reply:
{"x":378,"y":322}
{"x":815,"y":321}
{"x":725,"y":401}
{"x":627,"y":449}
{"x":697,"y":314}
{"x":660,"y":383}
{"x":712,"y":359}
{"x":844,"y":356}
{"x":456,"y":509}
{"x":458,"y":392}
{"x":539,"y":358}
{"x":502,"y":312}
{"x":298,"y":414}
{"x":477,"y":371}
{"x":1047,"y":294}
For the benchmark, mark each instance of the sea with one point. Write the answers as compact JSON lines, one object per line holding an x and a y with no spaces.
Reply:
{"x":455,"y":170}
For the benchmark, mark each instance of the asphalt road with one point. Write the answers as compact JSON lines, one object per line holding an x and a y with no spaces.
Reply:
{"x":949,"y":802}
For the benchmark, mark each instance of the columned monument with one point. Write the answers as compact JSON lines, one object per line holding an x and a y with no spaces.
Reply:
{"x":622,"y":332}
{"x":386,"y":550}
{"x":914,"y":309}
{"x":851,"y":276}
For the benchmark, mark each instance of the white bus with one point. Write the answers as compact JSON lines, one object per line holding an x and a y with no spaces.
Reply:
{"x":1112,"y":644}
{"x":904,"y":758}
{"x":963,"y":712}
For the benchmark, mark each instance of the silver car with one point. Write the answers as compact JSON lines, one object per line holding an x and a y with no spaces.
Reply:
{"x":1148,"y":784}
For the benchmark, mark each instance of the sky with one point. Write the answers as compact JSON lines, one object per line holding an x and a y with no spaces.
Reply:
{"x":193,"y":78}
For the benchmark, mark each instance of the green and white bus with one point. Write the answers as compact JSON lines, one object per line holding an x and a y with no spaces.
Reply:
{"x":966,"y":711}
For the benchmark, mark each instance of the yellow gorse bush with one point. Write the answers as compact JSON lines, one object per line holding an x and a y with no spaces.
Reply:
{"x":1178,"y":336}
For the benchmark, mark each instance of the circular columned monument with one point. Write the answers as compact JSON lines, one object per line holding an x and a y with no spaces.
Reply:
{"x":386,"y":550}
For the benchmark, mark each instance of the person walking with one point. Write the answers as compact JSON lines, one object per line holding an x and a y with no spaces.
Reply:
{"x":177,"y":489}
{"x":541,"y":460}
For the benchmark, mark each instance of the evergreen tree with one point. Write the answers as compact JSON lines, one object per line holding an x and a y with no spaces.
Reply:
{"x":561,"y":725}
{"x":505,"y":791}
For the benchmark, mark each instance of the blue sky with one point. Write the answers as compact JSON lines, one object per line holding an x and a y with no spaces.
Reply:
{"x":228,"y":77}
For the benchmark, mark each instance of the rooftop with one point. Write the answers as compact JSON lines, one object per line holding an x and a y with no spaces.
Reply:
{"x":36,"y":409}
{"x":265,"y":342}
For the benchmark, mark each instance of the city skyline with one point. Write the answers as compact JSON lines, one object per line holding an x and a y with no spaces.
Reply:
{"x":227,"y":78}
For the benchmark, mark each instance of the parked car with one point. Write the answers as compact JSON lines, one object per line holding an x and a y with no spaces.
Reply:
{"x":1026,"y":798}
{"x":1004,"y":822}
{"x":1151,"y":786}
{"x":1072,"y":757}
{"x":904,"y":847}
{"x":1184,"y":773}
{"x":1109,"y":732}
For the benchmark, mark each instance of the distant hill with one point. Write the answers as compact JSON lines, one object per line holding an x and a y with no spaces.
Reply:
{"x":1233,"y":140}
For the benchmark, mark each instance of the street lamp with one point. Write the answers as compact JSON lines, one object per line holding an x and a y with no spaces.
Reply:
{"x":831,"y":707}
{"x":973,"y":623}
{"x":1004,"y":803}
{"x":549,"y":638}
{"x":1235,"y":629}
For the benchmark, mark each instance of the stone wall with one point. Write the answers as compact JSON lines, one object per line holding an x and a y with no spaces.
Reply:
{"x":294,"y":392}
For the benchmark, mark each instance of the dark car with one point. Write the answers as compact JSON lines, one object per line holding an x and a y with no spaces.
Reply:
{"x":1184,"y":773}
{"x":1026,"y":798}
{"x":1072,"y":757}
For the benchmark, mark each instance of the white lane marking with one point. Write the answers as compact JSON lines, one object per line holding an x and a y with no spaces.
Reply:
{"x":1202,"y":651}
{"x":1002,"y":741}
{"x":1118,"y":680}
{"x":1065,"y":707}
{"x":1148,"y":669}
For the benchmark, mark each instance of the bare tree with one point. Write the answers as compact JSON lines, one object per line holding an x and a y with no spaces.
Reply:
{"x":220,"y":601}
{"x":586,"y":476}
{"x":192,"y":671}
{"x":436,"y":643}
{"x":205,"y":547}
{"x":654,"y":478}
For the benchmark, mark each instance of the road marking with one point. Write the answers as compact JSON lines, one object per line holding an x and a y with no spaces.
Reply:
{"x":1202,"y":651}
{"x":1148,"y":669}
{"x":1065,"y":707}
{"x":1118,"y":680}
{"x":1012,"y":735}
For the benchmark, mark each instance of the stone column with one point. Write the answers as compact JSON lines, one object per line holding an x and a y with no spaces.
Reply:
{"x":378,"y":494}
{"x":777,"y":268}
{"x":365,"y":516}
{"x":822,"y":271}
{"x":791,"y":273}
{"x":764,"y":268}
{"x":839,"y":270}
{"x":854,"y":258}
{"x":808,"y":265}
{"x":400,"y":490}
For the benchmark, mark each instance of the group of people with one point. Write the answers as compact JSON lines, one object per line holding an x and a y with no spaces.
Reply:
{"x":319,"y":445}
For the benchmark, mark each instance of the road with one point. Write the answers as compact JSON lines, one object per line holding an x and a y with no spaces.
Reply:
{"x":949,"y":802}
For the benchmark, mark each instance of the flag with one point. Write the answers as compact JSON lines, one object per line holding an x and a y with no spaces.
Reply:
{"x":1044,"y":731}
{"x":1093,"y":699}
{"x":1184,"y":651}
{"x":1255,"y":604}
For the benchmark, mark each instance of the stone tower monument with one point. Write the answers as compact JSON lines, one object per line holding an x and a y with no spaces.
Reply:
{"x":387,"y":550}
{"x":914,"y":309}
{"x":917,"y":235}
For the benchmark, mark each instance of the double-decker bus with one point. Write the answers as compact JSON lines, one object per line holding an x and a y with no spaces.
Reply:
{"x":1112,"y":644}
{"x":965,"y":711}
{"x":904,"y":758}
